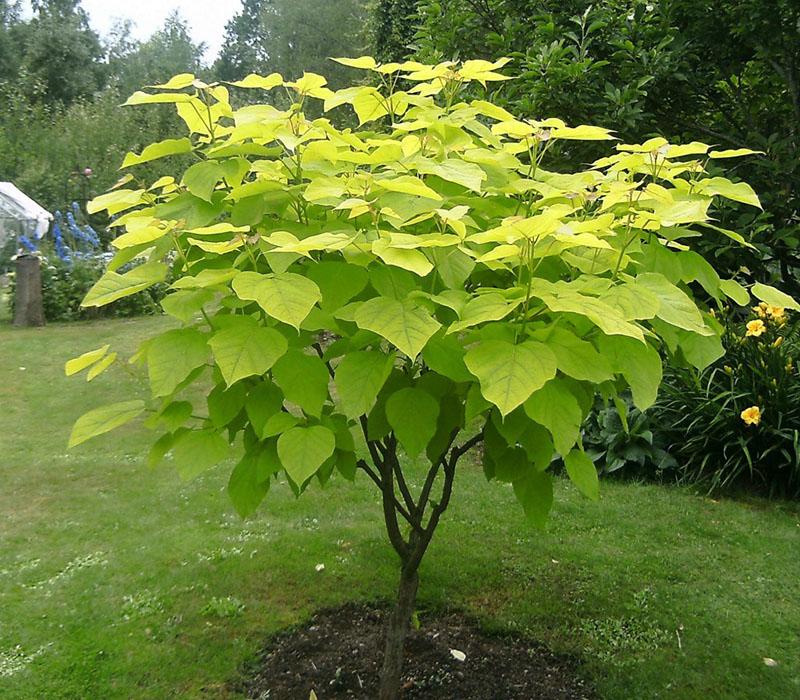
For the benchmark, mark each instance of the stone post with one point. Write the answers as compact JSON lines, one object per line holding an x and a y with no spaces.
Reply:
{"x":28,"y":309}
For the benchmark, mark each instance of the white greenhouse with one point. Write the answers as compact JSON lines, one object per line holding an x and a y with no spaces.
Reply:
{"x":20,"y":215}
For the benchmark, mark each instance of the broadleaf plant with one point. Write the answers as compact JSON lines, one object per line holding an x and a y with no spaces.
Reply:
{"x":412,"y":287}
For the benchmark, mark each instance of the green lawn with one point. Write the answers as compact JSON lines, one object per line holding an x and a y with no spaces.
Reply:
{"x":106,"y":568}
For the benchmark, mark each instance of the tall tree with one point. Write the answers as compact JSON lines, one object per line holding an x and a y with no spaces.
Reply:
{"x":169,"y":51}
{"x":244,"y":50}
{"x":395,"y":23}
{"x":9,"y":16}
{"x":59,"y":48}
{"x":290,"y":36}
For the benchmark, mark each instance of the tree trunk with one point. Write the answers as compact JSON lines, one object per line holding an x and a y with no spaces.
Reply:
{"x":28,"y":308}
{"x":396,"y":631}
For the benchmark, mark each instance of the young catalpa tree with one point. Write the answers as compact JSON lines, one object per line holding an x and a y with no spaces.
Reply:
{"x":354,"y":298}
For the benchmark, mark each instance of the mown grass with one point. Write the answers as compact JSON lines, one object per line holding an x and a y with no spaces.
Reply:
{"x":114,"y":580}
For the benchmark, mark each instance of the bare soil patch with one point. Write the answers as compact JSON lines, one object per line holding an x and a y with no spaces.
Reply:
{"x":338,"y":654}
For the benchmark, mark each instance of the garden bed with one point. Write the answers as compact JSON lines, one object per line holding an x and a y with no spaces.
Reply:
{"x":338,"y":655}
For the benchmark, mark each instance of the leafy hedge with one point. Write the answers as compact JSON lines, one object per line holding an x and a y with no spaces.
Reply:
{"x":65,"y":284}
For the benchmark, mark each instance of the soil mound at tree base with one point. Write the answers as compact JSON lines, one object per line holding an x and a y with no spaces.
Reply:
{"x":338,"y":654}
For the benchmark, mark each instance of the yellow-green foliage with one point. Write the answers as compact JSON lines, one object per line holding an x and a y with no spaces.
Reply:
{"x":415,"y":276}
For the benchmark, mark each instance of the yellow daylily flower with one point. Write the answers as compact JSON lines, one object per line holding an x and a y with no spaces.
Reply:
{"x":777,"y":313}
{"x":751,"y":416}
{"x":755,"y":328}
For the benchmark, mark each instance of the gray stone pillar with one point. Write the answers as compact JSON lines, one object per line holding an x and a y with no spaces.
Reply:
{"x":28,"y":309}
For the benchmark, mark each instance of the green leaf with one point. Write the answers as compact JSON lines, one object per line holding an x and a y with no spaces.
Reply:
{"x":225,"y":404}
{"x":104,"y":419}
{"x":172,"y":417}
{"x":408,"y":259}
{"x":201,"y":178}
{"x":263,"y":402}
{"x":303,"y":379}
{"x":359,"y":378}
{"x":639,"y":363}
{"x":485,"y":307}
{"x":737,"y":192}
{"x":677,"y":308}
{"x":555,"y":407}
{"x":462,"y":173}
{"x":561,"y":297}
{"x":509,"y":373}
{"x":285,"y":296}
{"x":116,"y":201}
{"x":774,"y":297}
{"x":575,"y":357}
{"x":535,"y":493}
{"x":279,"y":423}
{"x":80,"y":363}
{"x":701,"y":350}
{"x":249,"y":481}
{"x":246,"y":349}
{"x":173,"y":356}
{"x":205,"y":278}
{"x":197,"y":451}
{"x":735,"y":291}
{"x":583,"y":474}
{"x":112,"y":286}
{"x":408,"y":184}
{"x":445,"y":354}
{"x":406,"y":327}
{"x":338,"y":282}
{"x":185,"y":304}
{"x":413,"y":413}
{"x":168,"y":147}
{"x":302,"y":451}
{"x":194,"y":211}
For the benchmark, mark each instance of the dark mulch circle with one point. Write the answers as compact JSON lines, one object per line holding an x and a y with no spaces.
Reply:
{"x":338,"y":655}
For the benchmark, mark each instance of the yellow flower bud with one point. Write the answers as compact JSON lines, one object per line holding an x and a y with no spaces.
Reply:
{"x":728,"y":369}
{"x":778,"y":342}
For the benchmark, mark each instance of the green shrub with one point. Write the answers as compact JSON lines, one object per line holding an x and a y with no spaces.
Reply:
{"x":64,"y":285}
{"x":622,"y":440}
{"x":736,"y":424}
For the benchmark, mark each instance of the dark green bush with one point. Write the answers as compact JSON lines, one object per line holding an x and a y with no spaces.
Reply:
{"x":727,"y":70}
{"x":736,"y":425}
{"x":64,"y":285}
{"x":621,"y":440}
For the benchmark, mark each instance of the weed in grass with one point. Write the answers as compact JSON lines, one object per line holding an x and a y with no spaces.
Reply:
{"x":13,"y":661}
{"x":229,"y":606}
{"x":219,"y":554}
{"x":141,"y":604}
{"x":21,"y":568}
{"x":72,"y":567}
{"x":622,"y":640}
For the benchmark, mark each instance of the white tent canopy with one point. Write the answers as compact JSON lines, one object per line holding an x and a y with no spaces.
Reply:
{"x":19,"y":214}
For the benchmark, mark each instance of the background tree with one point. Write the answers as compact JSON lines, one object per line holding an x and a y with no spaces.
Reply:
{"x":168,"y":51}
{"x":725,"y":70}
{"x":394,"y":29}
{"x":59,"y":48}
{"x":283,"y":35}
